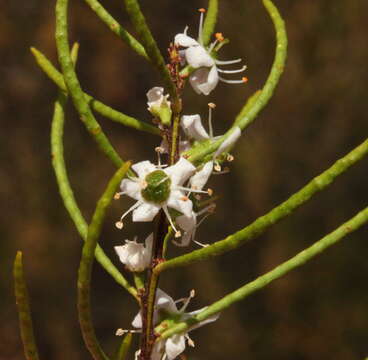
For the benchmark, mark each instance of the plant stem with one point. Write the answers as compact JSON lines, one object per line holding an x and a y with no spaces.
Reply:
{"x":24,"y":311}
{"x":298,"y":260}
{"x":86,"y":263}
{"x":116,"y":28}
{"x":260,"y":225}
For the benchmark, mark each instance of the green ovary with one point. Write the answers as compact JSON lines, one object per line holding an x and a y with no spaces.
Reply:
{"x":158,"y":187}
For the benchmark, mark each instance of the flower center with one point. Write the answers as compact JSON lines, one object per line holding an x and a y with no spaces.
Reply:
{"x":158,"y":187}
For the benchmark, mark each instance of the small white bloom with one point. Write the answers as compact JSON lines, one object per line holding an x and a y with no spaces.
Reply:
{"x":165,"y":306}
{"x":135,"y":256}
{"x":158,"y":104}
{"x":205,"y":78}
{"x":155,"y":188}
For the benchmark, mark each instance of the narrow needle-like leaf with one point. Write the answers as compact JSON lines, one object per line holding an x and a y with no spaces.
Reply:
{"x":86,"y":263}
{"x":298,"y":260}
{"x":24,"y":311}
{"x":74,"y":88}
{"x":116,"y":28}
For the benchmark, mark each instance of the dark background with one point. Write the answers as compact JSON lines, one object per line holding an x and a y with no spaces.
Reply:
{"x":317,"y":115}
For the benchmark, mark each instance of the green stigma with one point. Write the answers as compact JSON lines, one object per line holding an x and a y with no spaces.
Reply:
{"x":158,"y":187}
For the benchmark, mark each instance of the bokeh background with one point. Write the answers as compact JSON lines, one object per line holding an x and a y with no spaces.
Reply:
{"x":317,"y":115}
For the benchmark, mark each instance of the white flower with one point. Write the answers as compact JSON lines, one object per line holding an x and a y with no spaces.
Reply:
{"x":158,"y":104}
{"x":155,"y":188}
{"x":135,"y":256}
{"x":206,"y":76}
{"x":165,"y":307}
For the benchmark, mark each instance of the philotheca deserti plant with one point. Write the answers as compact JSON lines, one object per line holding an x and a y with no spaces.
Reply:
{"x":172,"y":192}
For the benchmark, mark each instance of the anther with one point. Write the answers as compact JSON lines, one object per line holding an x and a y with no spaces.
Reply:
{"x":198,"y":197}
{"x":117,"y":196}
{"x":178,"y":234}
{"x":229,"y":158}
{"x":217,"y":167}
{"x":210,"y":192}
{"x":119,"y":225}
{"x":159,"y":149}
{"x":184,"y":198}
{"x":219,"y":37}
{"x":212,"y":105}
{"x":202,"y":10}
{"x":244,"y":79}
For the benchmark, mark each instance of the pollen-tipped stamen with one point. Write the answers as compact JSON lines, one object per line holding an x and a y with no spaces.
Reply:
{"x":166,"y":211}
{"x":242,"y":81}
{"x":200,"y":30}
{"x":120,"y":223}
{"x":210,"y":128}
{"x":187,"y":301}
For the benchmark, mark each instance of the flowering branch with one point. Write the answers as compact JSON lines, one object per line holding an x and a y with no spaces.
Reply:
{"x":259,"y":100}
{"x":298,"y":260}
{"x":96,"y":105}
{"x":66,"y":192}
{"x":260,"y":225}
{"x":86,"y":263}
{"x":74,"y":88}
{"x":116,"y":28}
{"x":24,"y":311}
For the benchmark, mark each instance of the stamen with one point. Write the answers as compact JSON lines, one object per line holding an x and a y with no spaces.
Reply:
{"x":229,"y":158}
{"x":190,"y":341}
{"x":120,"y":223}
{"x":121,"y":332}
{"x":210,"y":107}
{"x":187,"y":300}
{"x":227,"y":62}
{"x":217,"y":167}
{"x":219,"y":37}
{"x":232,"y":71}
{"x":210,"y":208}
{"x":159,"y":150}
{"x":191,"y":190}
{"x":242,"y":81}
{"x":212,"y":46}
{"x":200,"y":31}
{"x":200,"y":244}
{"x":186,"y":30}
{"x":117,"y":195}
{"x":166,"y":211}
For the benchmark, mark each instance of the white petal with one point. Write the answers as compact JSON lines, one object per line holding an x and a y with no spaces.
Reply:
{"x":143,"y":168}
{"x":165,"y":302}
{"x":192,"y":126}
{"x":145,"y":212}
{"x":204,"y":80}
{"x":122,"y":253}
{"x":198,"y":57}
{"x":187,"y":223}
{"x":174,"y":346}
{"x":131,"y":188}
{"x":199,"y":179}
{"x":157,"y":350}
{"x":185,"y":40}
{"x":148,"y":243}
{"x":180,"y":172}
{"x":211,"y":83}
{"x":155,"y":96}
{"x":137,"y":321}
{"x":229,"y":141}
{"x":175,"y":202}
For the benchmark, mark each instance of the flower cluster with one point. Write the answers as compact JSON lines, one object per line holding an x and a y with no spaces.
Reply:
{"x":202,"y":60}
{"x":174,"y":191}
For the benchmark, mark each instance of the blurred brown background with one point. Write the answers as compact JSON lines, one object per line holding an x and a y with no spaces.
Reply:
{"x":317,"y":114}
